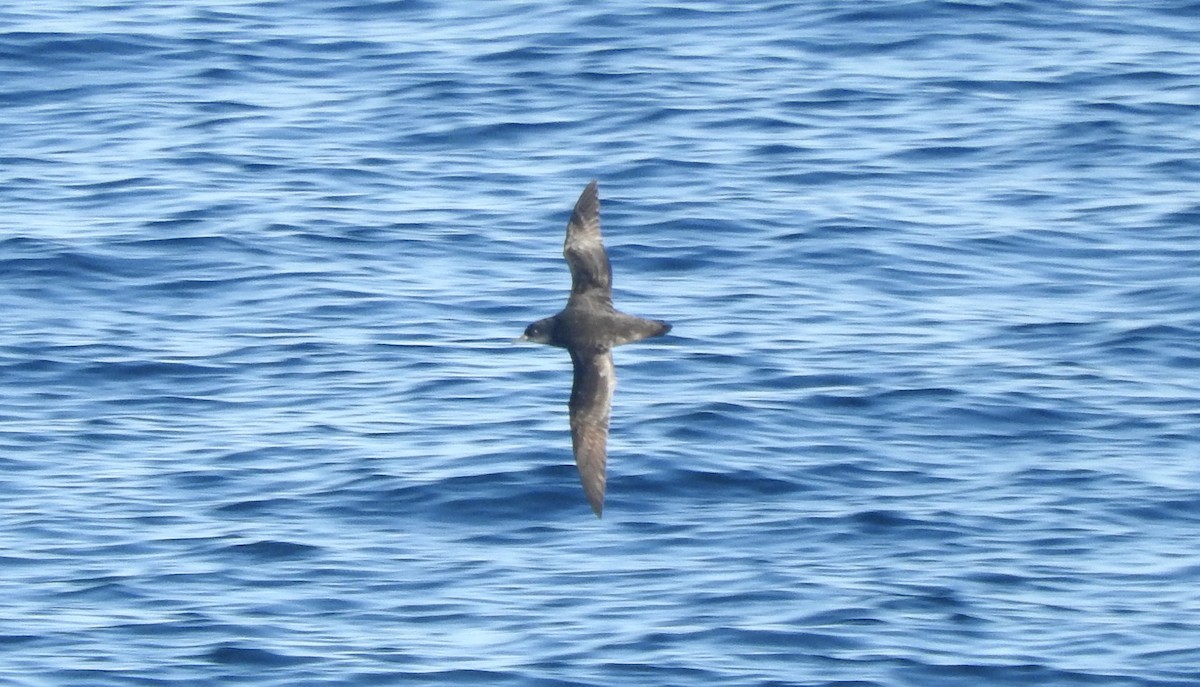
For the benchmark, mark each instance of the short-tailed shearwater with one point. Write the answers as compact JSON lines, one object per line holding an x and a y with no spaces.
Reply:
{"x":589,"y":327}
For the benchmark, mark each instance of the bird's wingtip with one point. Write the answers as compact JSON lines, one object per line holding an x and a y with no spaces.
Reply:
{"x":596,"y":501}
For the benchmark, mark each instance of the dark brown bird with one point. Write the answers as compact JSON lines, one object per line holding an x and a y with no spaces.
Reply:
{"x":589,"y":327}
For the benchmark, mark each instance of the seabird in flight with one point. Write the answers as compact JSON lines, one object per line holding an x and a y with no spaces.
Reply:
{"x":589,"y":327}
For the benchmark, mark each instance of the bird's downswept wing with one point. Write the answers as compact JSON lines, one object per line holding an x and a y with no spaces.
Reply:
{"x":591,"y":403}
{"x":583,"y":248}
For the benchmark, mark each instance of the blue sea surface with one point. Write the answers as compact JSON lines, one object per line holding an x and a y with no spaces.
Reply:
{"x":929,"y":415}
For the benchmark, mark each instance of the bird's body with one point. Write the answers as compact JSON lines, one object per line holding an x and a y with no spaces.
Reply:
{"x":589,"y":327}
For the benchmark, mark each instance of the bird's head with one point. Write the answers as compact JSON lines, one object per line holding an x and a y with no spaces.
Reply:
{"x":541,"y":332}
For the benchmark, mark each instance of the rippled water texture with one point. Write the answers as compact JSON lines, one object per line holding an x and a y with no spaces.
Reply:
{"x":928,"y":415}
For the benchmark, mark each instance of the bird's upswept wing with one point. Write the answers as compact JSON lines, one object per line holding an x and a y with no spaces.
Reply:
{"x":591,"y":402}
{"x":590,"y":272}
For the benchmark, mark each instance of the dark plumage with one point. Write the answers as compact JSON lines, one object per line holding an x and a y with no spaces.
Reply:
{"x":589,"y":327}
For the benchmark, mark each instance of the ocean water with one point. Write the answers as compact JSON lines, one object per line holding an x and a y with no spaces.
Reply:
{"x":929,"y":415}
